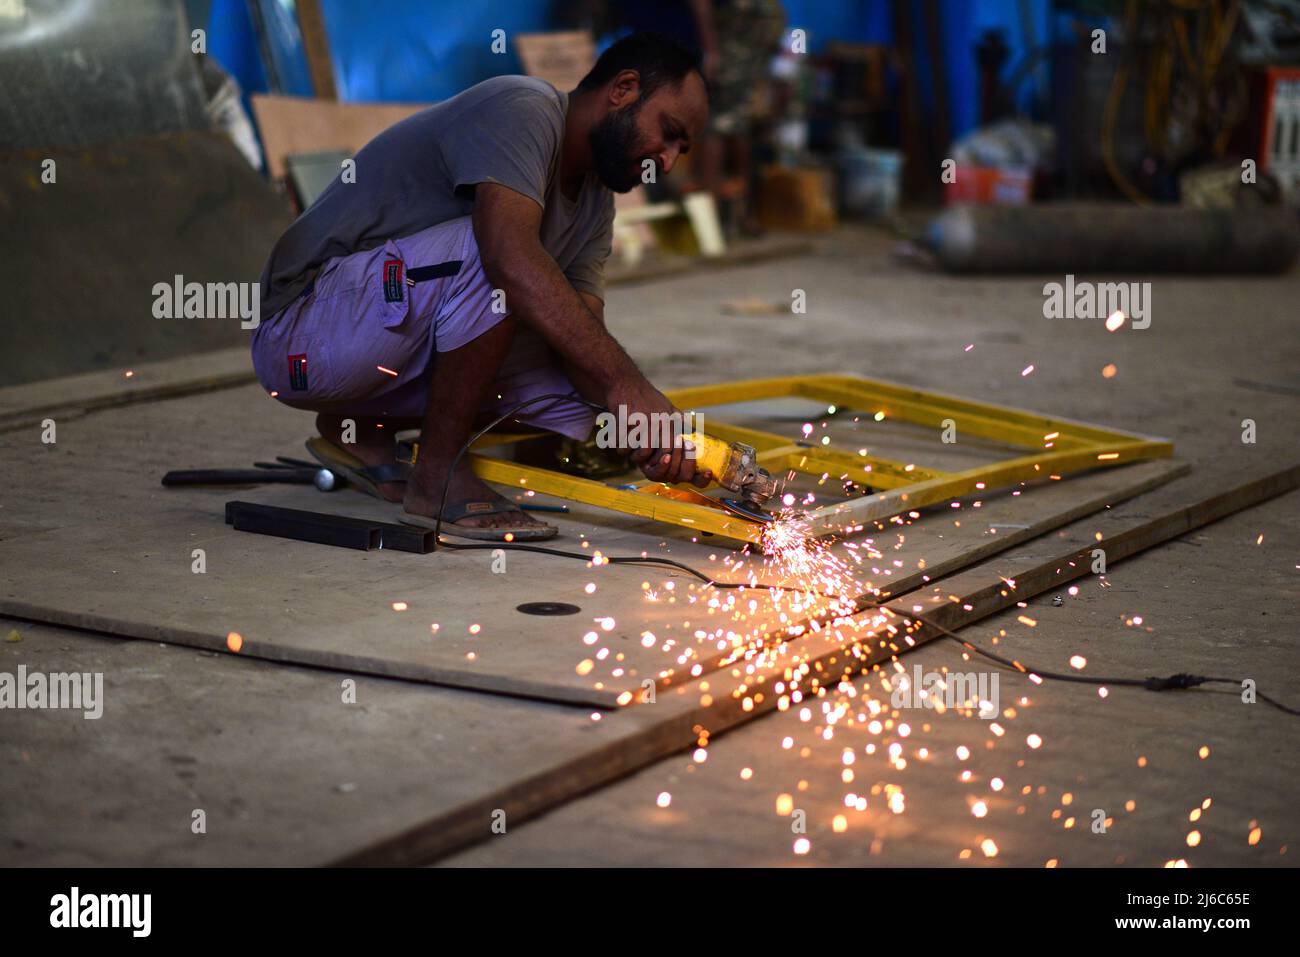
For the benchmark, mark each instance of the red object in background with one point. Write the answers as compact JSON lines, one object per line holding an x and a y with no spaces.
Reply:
{"x":990,"y":185}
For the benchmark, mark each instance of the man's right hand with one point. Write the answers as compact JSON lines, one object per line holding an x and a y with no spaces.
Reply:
{"x":637,"y":395}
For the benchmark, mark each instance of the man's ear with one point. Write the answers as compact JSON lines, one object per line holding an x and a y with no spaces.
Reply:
{"x":624,"y":89}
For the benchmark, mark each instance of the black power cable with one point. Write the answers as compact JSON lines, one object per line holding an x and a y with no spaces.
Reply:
{"x":446,"y":484}
{"x":1172,"y":682}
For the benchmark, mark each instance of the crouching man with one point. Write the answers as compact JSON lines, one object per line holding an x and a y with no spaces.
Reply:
{"x":459,"y":272}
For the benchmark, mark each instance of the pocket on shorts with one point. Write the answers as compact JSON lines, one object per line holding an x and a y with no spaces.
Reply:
{"x":294,"y":367}
{"x":393,"y":292}
{"x":307,"y":371}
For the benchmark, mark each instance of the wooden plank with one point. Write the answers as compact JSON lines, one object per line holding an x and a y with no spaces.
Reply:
{"x":649,"y":733}
{"x":299,"y":124}
{"x":316,"y":43}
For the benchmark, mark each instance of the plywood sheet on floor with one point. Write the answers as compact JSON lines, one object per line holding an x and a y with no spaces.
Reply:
{"x":287,"y":768}
{"x":329,"y":607}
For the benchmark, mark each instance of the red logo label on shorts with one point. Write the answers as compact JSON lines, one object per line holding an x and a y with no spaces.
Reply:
{"x":394,"y":288}
{"x":298,"y":372}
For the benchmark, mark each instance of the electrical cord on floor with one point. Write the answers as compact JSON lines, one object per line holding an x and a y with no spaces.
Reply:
{"x":1172,"y":682}
{"x":446,"y":484}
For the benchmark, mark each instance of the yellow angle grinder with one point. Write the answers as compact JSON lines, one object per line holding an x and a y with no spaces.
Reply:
{"x":735,"y":467}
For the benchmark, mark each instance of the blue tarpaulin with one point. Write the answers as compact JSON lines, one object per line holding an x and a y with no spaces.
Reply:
{"x":428,"y":50}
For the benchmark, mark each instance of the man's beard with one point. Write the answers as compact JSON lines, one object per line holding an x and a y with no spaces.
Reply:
{"x":615,"y":148}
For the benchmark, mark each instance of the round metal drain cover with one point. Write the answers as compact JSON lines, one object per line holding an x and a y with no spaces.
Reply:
{"x":548,"y":608}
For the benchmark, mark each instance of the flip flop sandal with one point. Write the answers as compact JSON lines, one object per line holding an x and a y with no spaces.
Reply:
{"x":454,"y":513}
{"x":365,"y":478}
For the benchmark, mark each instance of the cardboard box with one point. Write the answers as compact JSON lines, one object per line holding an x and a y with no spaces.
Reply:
{"x":800,"y":199}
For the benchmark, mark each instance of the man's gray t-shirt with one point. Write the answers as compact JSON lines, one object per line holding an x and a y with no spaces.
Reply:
{"x":421,"y":172}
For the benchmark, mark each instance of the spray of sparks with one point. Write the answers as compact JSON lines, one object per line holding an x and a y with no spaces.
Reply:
{"x":820,"y":591}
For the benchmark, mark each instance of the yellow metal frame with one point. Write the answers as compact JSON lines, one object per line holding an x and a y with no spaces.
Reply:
{"x":1058,"y":446}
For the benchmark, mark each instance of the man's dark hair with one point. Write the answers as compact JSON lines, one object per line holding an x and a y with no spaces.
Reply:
{"x":658,"y":58}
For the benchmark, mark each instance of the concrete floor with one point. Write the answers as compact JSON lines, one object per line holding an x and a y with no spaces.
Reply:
{"x":290,"y":774}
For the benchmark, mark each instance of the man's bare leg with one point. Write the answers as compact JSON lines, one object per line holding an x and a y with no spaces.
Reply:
{"x":372,"y":442}
{"x":462,"y":380}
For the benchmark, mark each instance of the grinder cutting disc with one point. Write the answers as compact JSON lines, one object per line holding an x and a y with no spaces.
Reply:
{"x":745,"y":510}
